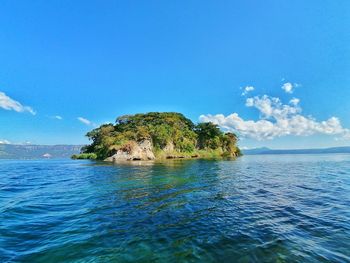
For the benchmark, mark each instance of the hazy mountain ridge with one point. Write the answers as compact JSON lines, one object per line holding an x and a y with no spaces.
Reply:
{"x":13,"y":151}
{"x":264,"y":150}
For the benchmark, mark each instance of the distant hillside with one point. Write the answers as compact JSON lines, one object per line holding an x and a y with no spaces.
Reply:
{"x":265,"y":150}
{"x":12,"y":151}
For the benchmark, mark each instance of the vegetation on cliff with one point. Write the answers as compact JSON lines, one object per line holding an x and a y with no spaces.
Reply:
{"x":171,"y":135}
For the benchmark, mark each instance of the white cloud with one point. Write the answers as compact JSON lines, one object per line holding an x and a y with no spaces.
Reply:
{"x":23,"y":143}
{"x":288,"y":87}
{"x":244,"y":148}
{"x":9,"y":104}
{"x":247,"y":89}
{"x":294,"y":101}
{"x":4,"y":142}
{"x":271,"y":107}
{"x":276,"y":120}
{"x":85,"y":121}
{"x":57,"y":117}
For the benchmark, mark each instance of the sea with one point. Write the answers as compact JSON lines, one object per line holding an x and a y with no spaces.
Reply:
{"x":262,"y":208}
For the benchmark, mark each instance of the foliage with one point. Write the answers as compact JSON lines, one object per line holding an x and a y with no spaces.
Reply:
{"x":91,"y":156}
{"x":208,"y":135}
{"x":162,"y":129}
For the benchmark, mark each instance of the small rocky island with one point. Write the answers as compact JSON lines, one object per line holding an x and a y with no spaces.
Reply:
{"x":158,"y":135}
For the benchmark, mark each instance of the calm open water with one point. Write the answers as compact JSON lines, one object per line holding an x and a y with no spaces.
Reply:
{"x":281,"y":208}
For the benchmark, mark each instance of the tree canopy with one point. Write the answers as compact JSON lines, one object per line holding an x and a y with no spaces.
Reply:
{"x":162,"y":129}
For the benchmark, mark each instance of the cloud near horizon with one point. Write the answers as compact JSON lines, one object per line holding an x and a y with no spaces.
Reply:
{"x":2,"y":141}
{"x":85,"y":121}
{"x":276,"y":120}
{"x":10,"y":104}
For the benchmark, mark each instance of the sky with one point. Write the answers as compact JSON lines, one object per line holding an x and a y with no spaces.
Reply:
{"x":275,"y":72}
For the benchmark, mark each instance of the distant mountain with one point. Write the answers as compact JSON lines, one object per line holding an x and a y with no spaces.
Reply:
{"x":261,"y":150}
{"x":12,"y":151}
{"x":265,"y":150}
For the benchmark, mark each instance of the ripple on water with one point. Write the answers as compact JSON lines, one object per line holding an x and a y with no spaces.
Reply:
{"x":258,"y":208}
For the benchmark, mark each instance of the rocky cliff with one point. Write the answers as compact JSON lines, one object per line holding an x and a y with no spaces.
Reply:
{"x":133,"y":151}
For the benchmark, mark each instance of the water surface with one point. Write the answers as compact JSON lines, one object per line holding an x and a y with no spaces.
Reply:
{"x":280,"y":208}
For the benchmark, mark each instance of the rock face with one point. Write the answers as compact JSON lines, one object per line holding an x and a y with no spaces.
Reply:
{"x":169,"y":147}
{"x":134,"y":151}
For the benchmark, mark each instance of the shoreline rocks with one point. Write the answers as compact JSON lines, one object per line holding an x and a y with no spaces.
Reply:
{"x":141,"y":151}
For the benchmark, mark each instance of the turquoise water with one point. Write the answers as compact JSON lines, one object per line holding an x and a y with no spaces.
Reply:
{"x":286,"y":208}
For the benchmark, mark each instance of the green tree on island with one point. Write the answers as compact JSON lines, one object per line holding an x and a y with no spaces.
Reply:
{"x":169,"y":134}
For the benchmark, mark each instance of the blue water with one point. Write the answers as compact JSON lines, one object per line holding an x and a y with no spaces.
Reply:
{"x":282,"y":208}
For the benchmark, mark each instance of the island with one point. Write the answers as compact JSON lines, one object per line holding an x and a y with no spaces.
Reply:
{"x":156,"y":136}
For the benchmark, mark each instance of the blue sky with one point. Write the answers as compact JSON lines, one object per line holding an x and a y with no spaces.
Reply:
{"x":97,"y":60}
